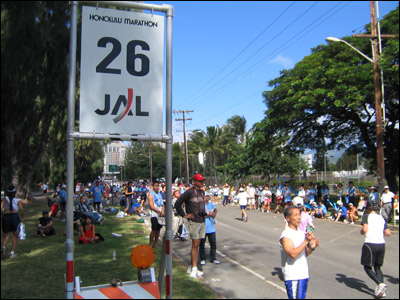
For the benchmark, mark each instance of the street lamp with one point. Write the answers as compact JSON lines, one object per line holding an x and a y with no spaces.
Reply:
{"x":378,"y":109}
{"x":333,"y":39}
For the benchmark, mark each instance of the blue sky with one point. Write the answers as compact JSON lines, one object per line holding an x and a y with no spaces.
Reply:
{"x":224,"y":53}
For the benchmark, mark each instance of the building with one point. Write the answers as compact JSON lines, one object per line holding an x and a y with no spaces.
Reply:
{"x":114,"y":154}
{"x":308,"y":158}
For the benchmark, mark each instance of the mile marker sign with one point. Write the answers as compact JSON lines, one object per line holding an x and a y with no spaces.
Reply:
{"x":121,"y":84}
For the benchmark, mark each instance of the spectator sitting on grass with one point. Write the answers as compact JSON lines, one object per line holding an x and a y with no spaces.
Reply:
{"x":45,"y":225}
{"x":83,"y":210}
{"x":88,"y":233}
{"x":137,"y":208}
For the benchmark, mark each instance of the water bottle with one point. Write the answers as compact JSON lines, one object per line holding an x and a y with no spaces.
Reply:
{"x":22,"y":231}
{"x":114,"y":255}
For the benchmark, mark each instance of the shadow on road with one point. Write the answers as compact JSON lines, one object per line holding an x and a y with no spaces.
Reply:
{"x":355,"y":283}
{"x":278,"y":271}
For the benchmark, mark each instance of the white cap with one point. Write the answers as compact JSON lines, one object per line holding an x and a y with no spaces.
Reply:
{"x":386,"y":187}
{"x":298,"y":201}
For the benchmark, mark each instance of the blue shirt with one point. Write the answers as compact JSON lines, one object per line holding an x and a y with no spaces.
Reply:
{"x":344,"y":210}
{"x":323,"y":207}
{"x":310,"y":194}
{"x":210,"y":228}
{"x":97,"y":191}
{"x":63,"y":196}
{"x":351,"y":191}
{"x":287,"y":193}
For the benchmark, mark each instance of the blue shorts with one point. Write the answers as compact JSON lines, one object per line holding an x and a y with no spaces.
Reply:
{"x":243,"y":206}
{"x":296,"y":289}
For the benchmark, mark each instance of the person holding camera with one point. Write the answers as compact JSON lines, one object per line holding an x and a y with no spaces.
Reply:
{"x":194,"y":199}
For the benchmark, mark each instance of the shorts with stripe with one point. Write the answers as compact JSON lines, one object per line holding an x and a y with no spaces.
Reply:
{"x":372,"y":255}
{"x":296,"y":289}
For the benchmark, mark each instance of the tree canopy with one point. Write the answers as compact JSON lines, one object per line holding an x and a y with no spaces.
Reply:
{"x":327,"y":100}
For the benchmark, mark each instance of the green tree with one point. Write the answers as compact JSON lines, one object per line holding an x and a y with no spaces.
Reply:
{"x":34,"y":50}
{"x":331,"y":92}
{"x":237,"y":126}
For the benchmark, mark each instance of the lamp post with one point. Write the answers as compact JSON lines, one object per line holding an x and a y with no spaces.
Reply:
{"x":378,"y":97}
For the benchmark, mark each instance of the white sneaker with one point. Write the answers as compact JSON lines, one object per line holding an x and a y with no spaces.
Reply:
{"x":195,"y":273}
{"x":203,"y":262}
{"x":380,"y":290}
{"x":217,"y":262}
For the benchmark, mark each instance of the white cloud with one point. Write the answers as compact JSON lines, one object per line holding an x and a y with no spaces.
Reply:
{"x":281,"y":60}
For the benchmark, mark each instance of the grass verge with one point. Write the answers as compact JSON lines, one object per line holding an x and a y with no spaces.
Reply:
{"x":39,"y":269}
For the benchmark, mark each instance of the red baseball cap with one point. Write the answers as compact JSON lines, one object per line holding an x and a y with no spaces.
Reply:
{"x":198,"y":177}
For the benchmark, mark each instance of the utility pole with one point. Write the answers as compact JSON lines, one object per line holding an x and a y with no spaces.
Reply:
{"x":184,"y":139}
{"x":375,"y":37}
{"x":378,"y":109}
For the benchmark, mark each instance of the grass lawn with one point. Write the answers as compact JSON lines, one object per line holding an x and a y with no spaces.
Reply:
{"x":39,"y":269}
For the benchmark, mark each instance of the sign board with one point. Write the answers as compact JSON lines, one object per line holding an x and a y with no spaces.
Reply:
{"x":121,"y":83}
{"x":113,"y":168}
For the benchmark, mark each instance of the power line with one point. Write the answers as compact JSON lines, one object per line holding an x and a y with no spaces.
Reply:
{"x":198,"y":98}
{"x":277,"y":49}
{"x":244,"y":49}
{"x":259,"y":64}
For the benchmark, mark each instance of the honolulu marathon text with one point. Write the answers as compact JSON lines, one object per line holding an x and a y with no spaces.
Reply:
{"x":128,"y":21}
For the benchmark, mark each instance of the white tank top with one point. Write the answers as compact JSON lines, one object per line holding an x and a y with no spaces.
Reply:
{"x":14,"y":204}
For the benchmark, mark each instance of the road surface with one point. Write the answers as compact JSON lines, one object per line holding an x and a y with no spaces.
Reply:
{"x":251,"y":266}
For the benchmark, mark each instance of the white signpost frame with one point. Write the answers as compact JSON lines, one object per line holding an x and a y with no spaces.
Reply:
{"x":121,"y":85}
{"x":124,"y":112}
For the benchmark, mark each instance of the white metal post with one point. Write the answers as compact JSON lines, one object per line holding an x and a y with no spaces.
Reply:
{"x":69,"y":243}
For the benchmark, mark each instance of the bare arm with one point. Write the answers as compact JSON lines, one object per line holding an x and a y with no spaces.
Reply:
{"x":21,"y":211}
{"x":364,"y":229}
{"x":289,"y":248}
{"x":152,"y":206}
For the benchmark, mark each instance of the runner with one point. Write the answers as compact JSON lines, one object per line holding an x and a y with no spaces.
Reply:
{"x":295,"y":247}
{"x":242,"y":196}
{"x":373,"y":251}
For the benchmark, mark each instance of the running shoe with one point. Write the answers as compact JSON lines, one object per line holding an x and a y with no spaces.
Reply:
{"x":203,"y":262}
{"x":217,"y":262}
{"x":195,"y":273}
{"x":380,"y":290}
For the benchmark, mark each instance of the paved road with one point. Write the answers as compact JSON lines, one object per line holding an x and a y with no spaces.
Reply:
{"x":250,"y":259}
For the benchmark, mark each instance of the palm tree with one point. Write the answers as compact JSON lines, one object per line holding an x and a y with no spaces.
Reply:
{"x":237,"y":126}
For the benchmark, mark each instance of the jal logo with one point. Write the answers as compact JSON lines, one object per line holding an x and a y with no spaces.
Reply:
{"x":127,"y":103}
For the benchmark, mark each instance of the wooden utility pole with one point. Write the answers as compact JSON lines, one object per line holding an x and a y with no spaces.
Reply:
{"x":378,"y":109}
{"x":375,"y":37}
{"x":184,"y":139}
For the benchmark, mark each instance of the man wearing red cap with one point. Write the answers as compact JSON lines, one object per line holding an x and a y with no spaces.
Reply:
{"x":194,"y":199}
